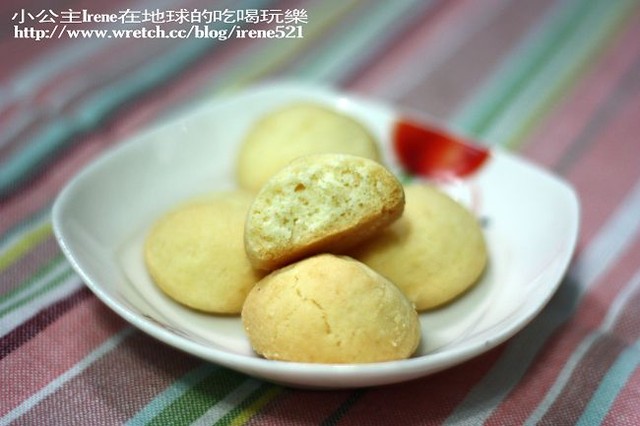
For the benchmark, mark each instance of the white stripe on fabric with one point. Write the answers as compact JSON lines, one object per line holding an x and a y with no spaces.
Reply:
{"x":63,"y":94}
{"x":556,"y":71}
{"x":611,"y":386}
{"x":345,"y":53}
{"x":612,"y":239}
{"x":58,"y":269}
{"x":14,"y":236}
{"x":246,"y":68}
{"x":34,"y":74}
{"x":172,"y":393}
{"x":607,"y":324}
{"x":228,"y":403}
{"x":24,"y":313}
{"x":74,"y":371}
{"x":430,"y":55}
{"x":512,"y":66}
{"x":607,"y":246}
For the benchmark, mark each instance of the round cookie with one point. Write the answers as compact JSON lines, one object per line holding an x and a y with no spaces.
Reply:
{"x":320,"y":203}
{"x":330,"y":309}
{"x":293,"y":131}
{"x":434,"y":252}
{"x":195,"y":254}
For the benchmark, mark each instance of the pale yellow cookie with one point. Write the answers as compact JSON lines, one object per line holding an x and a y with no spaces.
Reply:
{"x":434,"y":252}
{"x":330,"y":309}
{"x":320,"y":203}
{"x":195,"y":254}
{"x":293,"y":131}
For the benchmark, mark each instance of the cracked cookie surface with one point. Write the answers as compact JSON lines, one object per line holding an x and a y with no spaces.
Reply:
{"x":330,"y":309}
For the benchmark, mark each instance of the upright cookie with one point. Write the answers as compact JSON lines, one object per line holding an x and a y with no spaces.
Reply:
{"x":330,"y":309}
{"x":320,"y":203}
{"x":195,"y":254}
{"x":296,"y":130}
{"x":434,"y":252}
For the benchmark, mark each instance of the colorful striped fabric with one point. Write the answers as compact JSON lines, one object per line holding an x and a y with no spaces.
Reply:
{"x":557,"y":81}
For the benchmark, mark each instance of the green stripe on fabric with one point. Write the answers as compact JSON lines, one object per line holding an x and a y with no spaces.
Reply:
{"x":195,"y":402}
{"x":25,"y":244}
{"x":13,"y":233}
{"x":546,"y":89}
{"x":22,"y":164}
{"x":610,"y":386}
{"x":58,"y":382}
{"x":251,"y":405}
{"x":51,"y":283}
{"x":93,"y":110}
{"x":172,"y":393}
{"x":331,"y":62}
{"x":528,"y":58}
{"x":267,"y":58}
{"x":335,"y":417}
{"x":31,"y":281}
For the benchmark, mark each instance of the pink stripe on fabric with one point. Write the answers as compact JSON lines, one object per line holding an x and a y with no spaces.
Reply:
{"x":62,"y":107}
{"x":625,"y":406}
{"x":414,"y":54}
{"x":90,"y":323}
{"x":602,"y":198}
{"x":116,"y":386}
{"x":461,"y":73}
{"x":595,"y":364}
{"x":91,"y":71}
{"x":39,"y":193}
{"x":426,"y":402}
{"x":299,"y":407}
{"x":569,"y":118}
{"x":36,"y":195}
{"x":576,"y":394}
{"x":14,"y":275}
{"x":459,"y":76}
{"x":64,"y":91}
{"x":127,"y":121}
{"x":543,"y":372}
{"x":23,"y":51}
{"x":627,"y":326}
{"x":396,"y":59}
{"x":606,"y":173}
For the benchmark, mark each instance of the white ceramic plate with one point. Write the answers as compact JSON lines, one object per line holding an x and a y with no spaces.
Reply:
{"x":101,"y":217}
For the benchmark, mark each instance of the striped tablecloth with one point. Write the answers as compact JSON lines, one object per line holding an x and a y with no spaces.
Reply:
{"x":555,"y":81}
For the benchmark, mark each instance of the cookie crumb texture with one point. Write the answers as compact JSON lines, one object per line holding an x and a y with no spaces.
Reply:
{"x":330,"y":309}
{"x":320,"y":203}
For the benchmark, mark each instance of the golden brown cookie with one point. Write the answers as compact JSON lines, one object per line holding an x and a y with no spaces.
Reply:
{"x":293,"y":131}
{"x":434,"y":252}
{"x":320,"y":203}
{"x":330,"y":309}
{"x":195,"y":254}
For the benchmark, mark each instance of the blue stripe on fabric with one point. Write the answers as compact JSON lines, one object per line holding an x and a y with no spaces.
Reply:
{"x":22,"y":164}
{"x":527,"y":56}
{"x":26,"y":223}
{"x":58,"y":60}
{"x":173,"y":392}
{"x":610,"y":386}
{"x":28,"y":81}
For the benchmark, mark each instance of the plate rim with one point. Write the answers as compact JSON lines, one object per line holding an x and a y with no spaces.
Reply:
{"x":375,"y":373}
